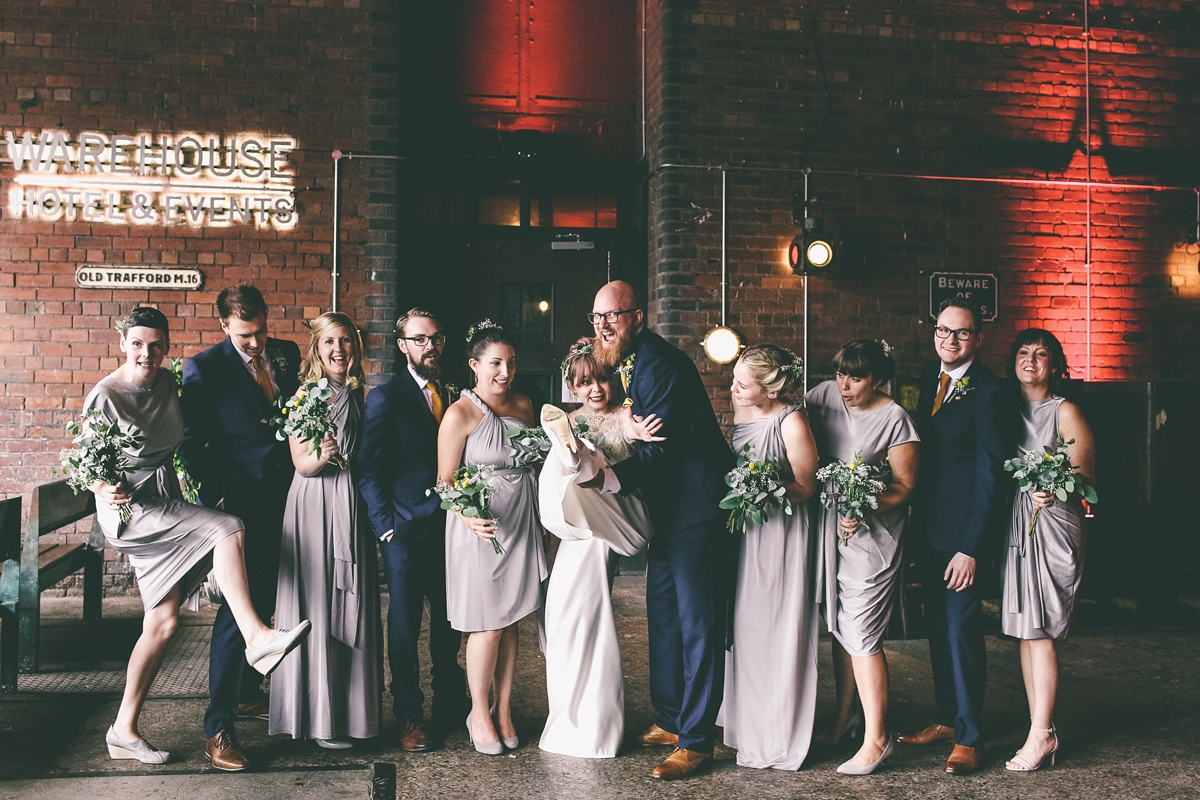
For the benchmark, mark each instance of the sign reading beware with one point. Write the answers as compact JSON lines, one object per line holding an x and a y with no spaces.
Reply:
{"x":102,"y":276}
{"x":977,"y":288}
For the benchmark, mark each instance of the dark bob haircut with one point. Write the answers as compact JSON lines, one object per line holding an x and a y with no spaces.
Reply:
{"x":862,"y":357}
{"x":143,"y":317}
{"x":1059,"y":371}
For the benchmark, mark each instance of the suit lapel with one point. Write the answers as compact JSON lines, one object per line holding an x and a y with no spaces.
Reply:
{"x":241,"y":375}
{"x":416,"y":395}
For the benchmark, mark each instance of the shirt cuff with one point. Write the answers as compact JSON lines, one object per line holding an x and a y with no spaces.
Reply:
{"x":387,"y":537}
{"x":612,"y":484}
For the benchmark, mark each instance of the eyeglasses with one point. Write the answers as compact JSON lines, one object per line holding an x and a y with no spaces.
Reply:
{"x":438,"y":340}
{"x":608,"y":316}
{"x":962,"y":334}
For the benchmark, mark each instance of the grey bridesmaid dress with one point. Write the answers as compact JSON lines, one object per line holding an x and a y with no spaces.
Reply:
{"x":485,"y":590}
{"x":771,"y":672}
{"x":856,"y":581}
{"x":332,"y":686}
{"x":1042,"y":572}
{"x":168,"y":541}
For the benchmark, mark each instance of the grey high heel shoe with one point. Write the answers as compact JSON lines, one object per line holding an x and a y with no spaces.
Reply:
{"x":492,"y":749}
{"x":850,"y":768}
{"x":141,"y":750}
{"x":511,"y":742}
{"x":1025,"y":766}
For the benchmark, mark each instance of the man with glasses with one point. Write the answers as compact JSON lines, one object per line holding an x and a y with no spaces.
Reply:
{"x":960,"y":419}
{"x":397,"y":464}
{"x":687,"y":565}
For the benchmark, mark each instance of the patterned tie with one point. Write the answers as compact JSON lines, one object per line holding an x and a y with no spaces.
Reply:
{"x":943,"y":384}
{"x":435,"y":401}
{"x":264,"y":380}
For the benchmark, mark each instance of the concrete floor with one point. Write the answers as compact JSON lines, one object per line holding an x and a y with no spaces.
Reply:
{"x":1128,"y":717}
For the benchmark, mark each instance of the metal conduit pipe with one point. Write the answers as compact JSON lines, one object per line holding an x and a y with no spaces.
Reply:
{"x":338,"y":155}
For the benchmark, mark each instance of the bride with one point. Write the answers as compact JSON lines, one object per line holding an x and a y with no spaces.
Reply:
{"x":583,"y":661}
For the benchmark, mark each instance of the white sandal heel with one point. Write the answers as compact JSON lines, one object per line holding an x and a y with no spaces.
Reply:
{"x":1025,"y":766}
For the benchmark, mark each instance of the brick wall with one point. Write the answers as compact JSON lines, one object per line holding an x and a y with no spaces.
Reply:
{"x":321,"y":72}
{"x":984,"y":89}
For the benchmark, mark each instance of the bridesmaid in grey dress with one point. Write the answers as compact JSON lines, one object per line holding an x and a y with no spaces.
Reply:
{"x":856,"y":581}
{"x":170,"y":543}
{"x":333,"y":691}
{"x":1042,"y":572}
{"x":771,"y":672}
{"x":488,"y":593}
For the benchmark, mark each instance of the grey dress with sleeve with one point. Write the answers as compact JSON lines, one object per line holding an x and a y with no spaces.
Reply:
{"x":1042,"y":572}
{"x":168,"y":541}
{"x":485,"y":590}
{"x":856,"y":581}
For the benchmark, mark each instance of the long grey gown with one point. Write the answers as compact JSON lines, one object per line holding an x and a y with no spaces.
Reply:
{"x":332,"y":685}
{"x":168,"y":541}
{"x":856,"y":582}
{"x":485,"y":590}
{"x":771,"y":672}
{"x":1042,"y":572}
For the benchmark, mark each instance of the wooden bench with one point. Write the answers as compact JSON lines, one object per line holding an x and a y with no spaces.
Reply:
{"x":10,"y":577}
{"x":54,"y":507}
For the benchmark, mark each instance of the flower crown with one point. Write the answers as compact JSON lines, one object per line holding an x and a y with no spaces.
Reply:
{"x":577,"y":352}
{"x":480,"y":327}
{"x":794,"y":366}
{"x":887,"y":348}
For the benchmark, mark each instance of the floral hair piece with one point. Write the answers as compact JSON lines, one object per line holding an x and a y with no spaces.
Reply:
{"x":887,"y":348}
{"x":794,"y":366}
{"x":577,"y":352}
{"x":480,"y":327}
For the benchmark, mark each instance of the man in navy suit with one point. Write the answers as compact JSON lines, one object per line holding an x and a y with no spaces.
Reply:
{"x":397,"y":465}
{"x":228,"y":445}
{"x":963,"y":445}
{"x":682,"y":481}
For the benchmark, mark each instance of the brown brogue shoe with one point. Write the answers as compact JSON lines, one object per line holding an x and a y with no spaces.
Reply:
{"x":259,"y":709}
{"x":654,"y":736}
{"x":932,"y":735}
{"x":680,"y":764}
{"x":963,"y":761}
{"x":224,"y":754}
{"x":414,"y":738}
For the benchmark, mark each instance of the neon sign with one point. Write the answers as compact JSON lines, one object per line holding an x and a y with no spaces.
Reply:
{"x":186,"y":179}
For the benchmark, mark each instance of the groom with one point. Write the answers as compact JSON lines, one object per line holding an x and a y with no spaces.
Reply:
{"x":682,"y":481}
{"x":962,"y":421}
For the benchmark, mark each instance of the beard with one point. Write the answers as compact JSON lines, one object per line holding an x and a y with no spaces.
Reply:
{"x":610,"y":356}
{"x":428,"y":367}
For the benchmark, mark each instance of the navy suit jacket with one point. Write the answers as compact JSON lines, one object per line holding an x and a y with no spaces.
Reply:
{"x":228,"y":444}
{"x":683,"y":478}
{"x":963,"y":448}
{"x":397,"y":461}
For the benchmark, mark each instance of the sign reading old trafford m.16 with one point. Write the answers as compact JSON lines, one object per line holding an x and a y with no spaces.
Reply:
{"x":185,"y":179}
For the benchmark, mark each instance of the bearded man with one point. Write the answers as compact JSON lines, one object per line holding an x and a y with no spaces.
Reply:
{"x":397,"y":464}
{"x":682,"y":480}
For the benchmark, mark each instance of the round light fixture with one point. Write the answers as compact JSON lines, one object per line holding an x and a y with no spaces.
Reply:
{"x":722,"y":345}
{"x":543,"y":306}
{"x":819,"y":253}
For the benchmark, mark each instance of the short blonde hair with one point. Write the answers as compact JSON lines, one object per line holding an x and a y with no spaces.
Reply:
{"x":774,"y":368}
{"x":313,"y":369}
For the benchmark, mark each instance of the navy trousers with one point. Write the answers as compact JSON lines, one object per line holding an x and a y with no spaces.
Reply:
{"x":231,"y":679}
{"x":416,"y":572}
{"x":685,"y":610}
{"x":956,"y":651}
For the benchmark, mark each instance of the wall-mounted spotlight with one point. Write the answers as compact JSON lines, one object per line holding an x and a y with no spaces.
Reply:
{"x":811,"y":252}
{"x":722,"y":345}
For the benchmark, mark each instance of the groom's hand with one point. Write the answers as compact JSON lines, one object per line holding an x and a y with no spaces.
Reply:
{"x":595,"y":482}
{"x":960,"y":572}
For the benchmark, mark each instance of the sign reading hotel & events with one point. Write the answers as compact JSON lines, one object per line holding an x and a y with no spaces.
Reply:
{"x":977,"y":288}
{"x":200,"y":180}
{"x":106,"y":276}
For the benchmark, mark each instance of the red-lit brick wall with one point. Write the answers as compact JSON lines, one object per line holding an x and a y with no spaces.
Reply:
{"x":987,"y":89}
{"x":320,"y":72}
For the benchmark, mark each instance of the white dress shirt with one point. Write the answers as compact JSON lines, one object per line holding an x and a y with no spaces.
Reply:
{"x":955,"y":374}
{"x":424,"y":384}
{"x":249,"y":362}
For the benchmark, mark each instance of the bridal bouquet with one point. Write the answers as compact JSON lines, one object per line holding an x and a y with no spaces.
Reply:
{"x":100,"y":454}
{"x":529,"y":445}
{"x":305,"y":416}
{"x":189,"y":486}
{"x":753,"y":488}
{"x":1049,"y":471}
{"x":856,"y":487}
{"x":470,"y":494}
{"x":584,"y":432}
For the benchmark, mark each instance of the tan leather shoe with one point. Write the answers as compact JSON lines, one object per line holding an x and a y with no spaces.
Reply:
{"x":414,"y":738}
{"x":260,"y":709}
{"x":932,"y":735}
{"x":963,"y":761}
{"x":655,"y":735}
{"x":680,"y":764}
{"x":224,"y":754}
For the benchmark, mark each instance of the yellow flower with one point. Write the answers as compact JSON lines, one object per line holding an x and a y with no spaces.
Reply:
{"x":299,"y":395}
{"x":752,"y":465}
